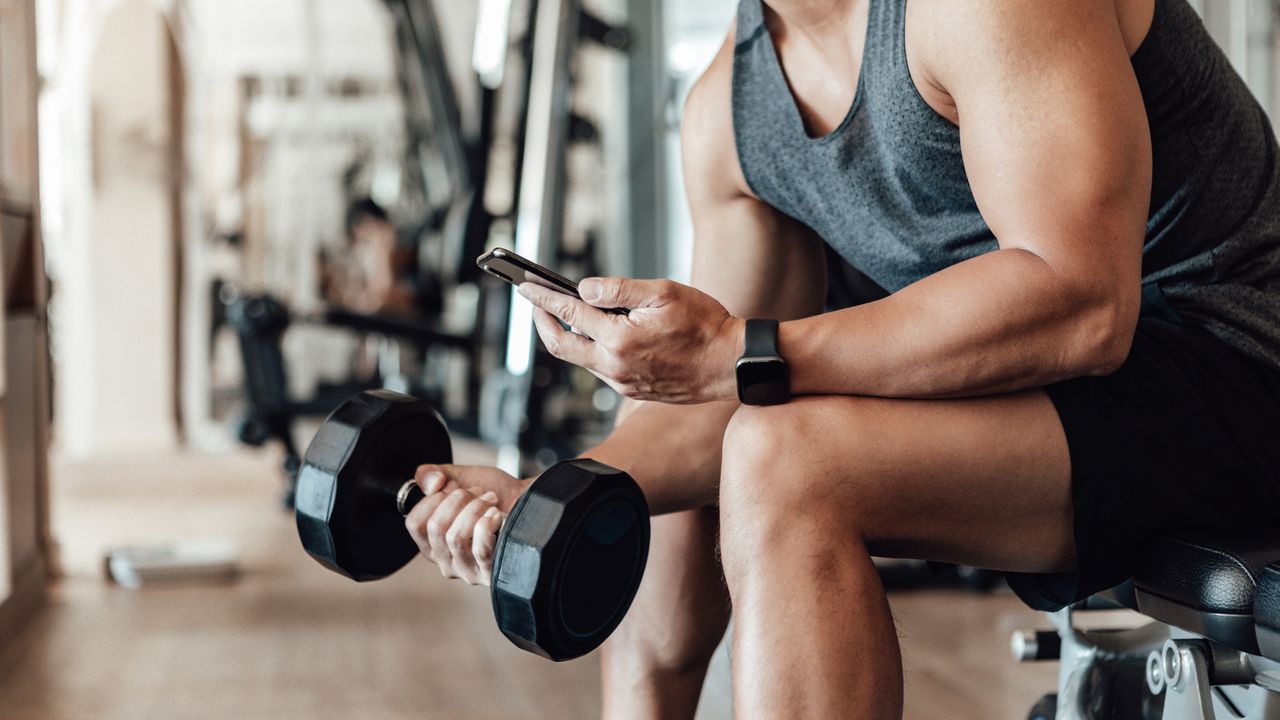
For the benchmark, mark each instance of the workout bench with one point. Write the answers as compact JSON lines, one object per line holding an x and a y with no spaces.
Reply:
{"x":1211,"y":652}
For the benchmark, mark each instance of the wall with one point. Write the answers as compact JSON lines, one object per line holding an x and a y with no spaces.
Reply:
{"x":294,"y":143}
{"x":118,"y":389}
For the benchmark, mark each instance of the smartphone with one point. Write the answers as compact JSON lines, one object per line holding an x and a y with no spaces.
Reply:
{"x":514,"y":269}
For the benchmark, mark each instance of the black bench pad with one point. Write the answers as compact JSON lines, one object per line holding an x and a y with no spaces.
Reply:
{"x":1207,"y":583}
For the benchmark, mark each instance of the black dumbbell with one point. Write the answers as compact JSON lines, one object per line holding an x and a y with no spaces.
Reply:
{"x":570,"y":554}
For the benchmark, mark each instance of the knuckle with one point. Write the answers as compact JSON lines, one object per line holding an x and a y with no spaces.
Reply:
{"x":419,"y":535}
{"x":435,"y":527}
{"x":611,"y":287}
{"x":569,"y":313}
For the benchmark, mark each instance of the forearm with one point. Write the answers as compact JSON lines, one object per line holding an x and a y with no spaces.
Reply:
{"x":672,"y":451}
{"x":999,"y":322}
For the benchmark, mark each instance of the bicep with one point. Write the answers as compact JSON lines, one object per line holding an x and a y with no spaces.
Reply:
{"x":756,"y":262}
{"x":1054,"y":136}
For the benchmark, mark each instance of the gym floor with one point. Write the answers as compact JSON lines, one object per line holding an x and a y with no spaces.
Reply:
{"x":288,"y":639}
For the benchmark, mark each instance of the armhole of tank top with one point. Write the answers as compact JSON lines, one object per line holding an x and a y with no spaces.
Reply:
{"x":904,"y":60}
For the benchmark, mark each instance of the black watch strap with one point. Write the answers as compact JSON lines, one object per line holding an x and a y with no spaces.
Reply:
{"x":761,"y":338}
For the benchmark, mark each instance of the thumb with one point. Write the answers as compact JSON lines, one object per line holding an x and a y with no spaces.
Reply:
{"x":433,"y":478}
{"x":617,"y":292}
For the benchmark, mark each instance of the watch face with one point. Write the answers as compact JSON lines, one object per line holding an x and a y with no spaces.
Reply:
{"x":763,"y":381}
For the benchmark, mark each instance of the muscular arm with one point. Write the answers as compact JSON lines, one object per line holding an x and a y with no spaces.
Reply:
{"x":755,"y":261}
{"x":1056,"y":146}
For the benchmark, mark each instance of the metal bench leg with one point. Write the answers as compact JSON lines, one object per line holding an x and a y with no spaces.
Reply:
{"x":1181,"y":672}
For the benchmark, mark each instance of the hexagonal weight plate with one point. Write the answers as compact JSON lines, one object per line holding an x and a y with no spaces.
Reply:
{"x":362,"y":454}
{"x":570,"y":559}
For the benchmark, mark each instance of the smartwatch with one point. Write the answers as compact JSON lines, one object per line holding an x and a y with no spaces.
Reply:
{"x":763,"y":376}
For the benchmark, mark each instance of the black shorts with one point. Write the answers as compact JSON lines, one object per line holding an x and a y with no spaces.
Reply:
{"x":1185,"y":435}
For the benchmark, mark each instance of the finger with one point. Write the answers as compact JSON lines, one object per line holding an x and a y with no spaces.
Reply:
{"x":484,"y":541}
{"x":460,"y":534}
{"x":568,"y":346}
{"x":571,"y":311}
{"x":417,"y":519}
{"x":428,"y":476}
{"x":439,"y":523}
{"x":617,"y":292}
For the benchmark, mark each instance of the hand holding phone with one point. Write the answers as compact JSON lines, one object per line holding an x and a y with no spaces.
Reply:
{"x":675,"y":350}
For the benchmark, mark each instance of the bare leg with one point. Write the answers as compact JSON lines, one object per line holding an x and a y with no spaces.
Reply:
{"x":654,"y":663}
{"x":810,"y":488}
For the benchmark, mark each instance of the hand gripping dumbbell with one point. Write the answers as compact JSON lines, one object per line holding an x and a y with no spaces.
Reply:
{"x":570,"y":554}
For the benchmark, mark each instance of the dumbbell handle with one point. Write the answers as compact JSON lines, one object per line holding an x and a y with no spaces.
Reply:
{"x":407,"y":496}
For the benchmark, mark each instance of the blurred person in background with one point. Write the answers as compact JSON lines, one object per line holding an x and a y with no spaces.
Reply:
{"x":375,"y":274}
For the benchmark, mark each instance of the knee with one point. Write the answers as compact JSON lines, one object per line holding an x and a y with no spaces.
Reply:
{"x":763,"y":442}
{"x":770,"y":484}
{"x":793,"y":489}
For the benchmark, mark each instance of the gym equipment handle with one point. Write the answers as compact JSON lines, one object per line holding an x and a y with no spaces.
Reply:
{"x":407,"y":496}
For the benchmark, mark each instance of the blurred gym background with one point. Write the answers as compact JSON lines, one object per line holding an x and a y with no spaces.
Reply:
{"x":221,"y":217}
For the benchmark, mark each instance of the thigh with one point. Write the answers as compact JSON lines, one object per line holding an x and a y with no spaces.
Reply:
{"x":1182,"y":436}
{"x":984,"y":481}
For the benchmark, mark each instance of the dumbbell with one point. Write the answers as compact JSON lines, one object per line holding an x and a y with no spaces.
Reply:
{"x":569,"y":556}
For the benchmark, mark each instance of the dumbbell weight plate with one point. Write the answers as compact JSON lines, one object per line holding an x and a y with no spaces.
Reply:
{"x":570,"y":558}
{"x":346,"y":509}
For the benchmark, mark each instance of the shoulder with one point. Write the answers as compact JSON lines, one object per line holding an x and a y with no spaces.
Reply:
{"x":971,"y":22}
{"x":709,"y":105}
{"x":707,"y":141}
{"x":952,"y":41}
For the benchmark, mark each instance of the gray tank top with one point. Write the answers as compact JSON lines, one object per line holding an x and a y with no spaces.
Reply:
{"x":887,"y":188}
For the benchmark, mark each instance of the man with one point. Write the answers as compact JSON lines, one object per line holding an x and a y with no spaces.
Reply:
{"x":1076,"y":210}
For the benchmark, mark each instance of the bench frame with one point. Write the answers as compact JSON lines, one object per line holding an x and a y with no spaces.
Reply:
{"x":1158,"y":672}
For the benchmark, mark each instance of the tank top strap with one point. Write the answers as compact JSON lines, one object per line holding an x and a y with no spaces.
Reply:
{"x":885,"y":63}
{"x":750,"y":20}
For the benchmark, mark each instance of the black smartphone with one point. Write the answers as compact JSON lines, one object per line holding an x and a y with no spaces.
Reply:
{"x":514,"y":269}
{"x":509,"y":266}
